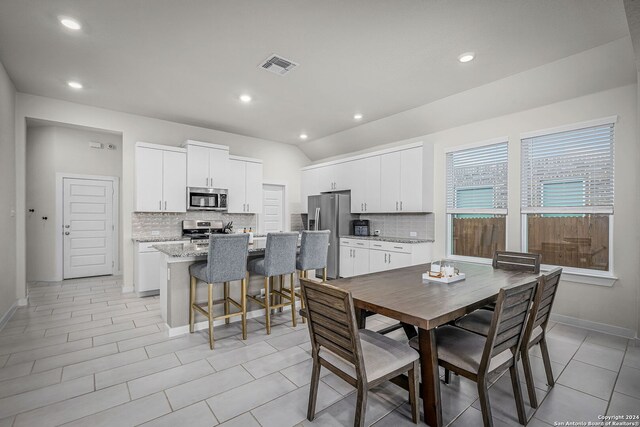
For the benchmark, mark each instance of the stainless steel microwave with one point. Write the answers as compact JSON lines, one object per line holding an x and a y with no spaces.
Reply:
{"x":206,"y":199}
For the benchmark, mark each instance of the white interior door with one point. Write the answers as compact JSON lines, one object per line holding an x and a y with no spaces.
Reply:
{"x":88,"y":227}
{"x":273,"y":208}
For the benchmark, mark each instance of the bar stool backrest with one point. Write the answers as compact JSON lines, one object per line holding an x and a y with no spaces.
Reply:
{"x":227,"y":258}
{"x":314,"y":249}
{"x":280,"y":254}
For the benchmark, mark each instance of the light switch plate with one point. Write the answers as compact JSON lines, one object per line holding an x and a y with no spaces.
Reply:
{"x":413,"y":234}
{"x":155,"y":233}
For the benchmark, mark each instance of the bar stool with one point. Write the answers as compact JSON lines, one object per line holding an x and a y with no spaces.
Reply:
{"x":226,"y":262}
{"x":314,"y":248}
{"x":279,"y":260}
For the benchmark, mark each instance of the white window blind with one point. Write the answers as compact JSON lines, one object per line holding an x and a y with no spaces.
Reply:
{"x":568,"y":172}
{"x":477,"y":180}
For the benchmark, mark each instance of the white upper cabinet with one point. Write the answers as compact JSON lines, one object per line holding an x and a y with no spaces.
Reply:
{"x":245,"y":185}
{"x":390,"y":165}
{"x":208,"y":164}
{"x":401,"y":181}
{"x":161,"y":178}
{"x":365,"y":186}
{"x":395,"y":180}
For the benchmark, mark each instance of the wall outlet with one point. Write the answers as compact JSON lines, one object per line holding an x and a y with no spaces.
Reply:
{"x":261,"y":293}
{"x":155,"y":233}
{"x":413,"y":234}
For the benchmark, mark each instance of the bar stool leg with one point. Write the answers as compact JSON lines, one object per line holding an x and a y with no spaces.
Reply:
{"x":192,"y":300}
{"x":243,"y":303}
{"x":292,"y":287}
{"x":226,"y":302}
{"x":324,"y":274}
{"x":210,"y":307}
{"x":267,"y":305}
{"x":304,"y":320}
{"x":281,"y":283}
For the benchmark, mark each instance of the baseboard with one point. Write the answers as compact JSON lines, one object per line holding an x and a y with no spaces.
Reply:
{"x":7,"y":316}
{"x":198,"y":326}
{"x":127,"y":289}
{"x":594,"y":326}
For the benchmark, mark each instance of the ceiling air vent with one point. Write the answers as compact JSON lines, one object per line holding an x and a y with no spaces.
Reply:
{"x":278,"y":65}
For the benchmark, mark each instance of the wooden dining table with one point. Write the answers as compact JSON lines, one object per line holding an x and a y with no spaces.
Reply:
{"x":402,"y":294}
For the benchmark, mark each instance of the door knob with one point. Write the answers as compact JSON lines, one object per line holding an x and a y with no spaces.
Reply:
{"x":66,"y":233}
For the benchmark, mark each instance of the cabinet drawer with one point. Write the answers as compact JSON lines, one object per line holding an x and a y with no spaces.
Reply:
{"x":391,"y":247}
{"x":354,"y":243}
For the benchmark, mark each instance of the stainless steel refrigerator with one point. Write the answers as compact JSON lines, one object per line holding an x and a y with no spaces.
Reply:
{"x":331,"y":211}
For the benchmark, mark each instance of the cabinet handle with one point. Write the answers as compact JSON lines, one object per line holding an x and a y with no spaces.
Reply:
{"x":385,"y":258}
{"x":361,"y":206}
{"x":365,"y":206}
{"x":160,"y":205}
{"x":389,"y":258}
{"x":396,"y":205}
{"x":165,"y":205}
{"x":398,"y":247}
{"x":401,"y":205}
{"x":247,"y":207}
{"x":207,"y":182}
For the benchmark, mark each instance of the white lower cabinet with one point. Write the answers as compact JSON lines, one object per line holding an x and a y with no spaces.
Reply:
{"x":358,"y":256}
{"x":147,"y":267}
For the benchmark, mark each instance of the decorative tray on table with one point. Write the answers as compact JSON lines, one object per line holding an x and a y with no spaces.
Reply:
{"x":427,"y":277}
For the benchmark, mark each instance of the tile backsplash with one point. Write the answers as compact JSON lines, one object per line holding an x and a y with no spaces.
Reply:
{"x":170,"y":224}
{"x":395,"y":225}
{"x":401,"y":225}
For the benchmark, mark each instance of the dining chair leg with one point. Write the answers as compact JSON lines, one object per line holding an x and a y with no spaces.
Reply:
{"x":361,"y":405}
{"x":447,"y":376}
{"x":313,"y":389}
{"x":210,"y":308}
{"x":517,"y":393}
{"x":226,"y":302}
{"x":192,"y":300}
{"x":292,"y":288}
{"x":485,"y":406}
{"x":243,"y":304}
{"x":267,"y":305}
{"x":414,"y":385}
{"x":528,"y":376}
{"x":547,"y":361}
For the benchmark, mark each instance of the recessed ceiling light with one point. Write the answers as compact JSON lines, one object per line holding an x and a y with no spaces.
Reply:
{"x":245,"y":98}
{"x":357,"y":116}
{"x":74,"y":85}
{"x":304,"y":136}
{"x":70,"y":23}
{"x":466,"y":57}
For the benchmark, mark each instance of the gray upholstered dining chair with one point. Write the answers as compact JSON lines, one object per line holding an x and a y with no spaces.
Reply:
{"x":481,"y":358}
{"x":279,"y":260}
{"x":535,"y":332}
{"x":360,"y":357}
{"x":226,"y":262}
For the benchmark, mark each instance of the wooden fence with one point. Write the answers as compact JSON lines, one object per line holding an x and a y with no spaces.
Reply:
{"x":479,"y":237}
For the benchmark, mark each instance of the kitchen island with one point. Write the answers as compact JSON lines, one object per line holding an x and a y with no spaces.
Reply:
{"x":175,"y":283}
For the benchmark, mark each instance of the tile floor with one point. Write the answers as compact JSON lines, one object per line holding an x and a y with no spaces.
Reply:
{"x":82,"y":353}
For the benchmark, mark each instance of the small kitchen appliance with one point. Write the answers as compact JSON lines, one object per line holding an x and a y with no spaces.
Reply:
{"x":360,"y":227}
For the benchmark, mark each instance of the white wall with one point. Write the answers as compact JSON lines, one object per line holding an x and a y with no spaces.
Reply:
{"x":51,"y":150}
{"x":281,"y":162}
{"x":7,"y":192}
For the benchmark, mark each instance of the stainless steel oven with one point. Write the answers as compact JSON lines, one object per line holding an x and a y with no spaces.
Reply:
{"x":206,"y":199}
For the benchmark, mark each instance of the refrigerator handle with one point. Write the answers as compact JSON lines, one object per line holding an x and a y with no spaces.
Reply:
{"x":317,"y":218}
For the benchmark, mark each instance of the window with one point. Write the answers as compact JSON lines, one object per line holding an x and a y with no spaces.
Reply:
{"x":477,"y":200}
{"x":567,"y":196}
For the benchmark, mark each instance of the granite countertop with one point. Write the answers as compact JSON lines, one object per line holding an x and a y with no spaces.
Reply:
{"x":184,"y":250}
{"x":390,"y":239}
{"x":148,"y":239}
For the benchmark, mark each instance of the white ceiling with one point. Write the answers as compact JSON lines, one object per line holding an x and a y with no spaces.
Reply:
{"x":188,"y":61}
